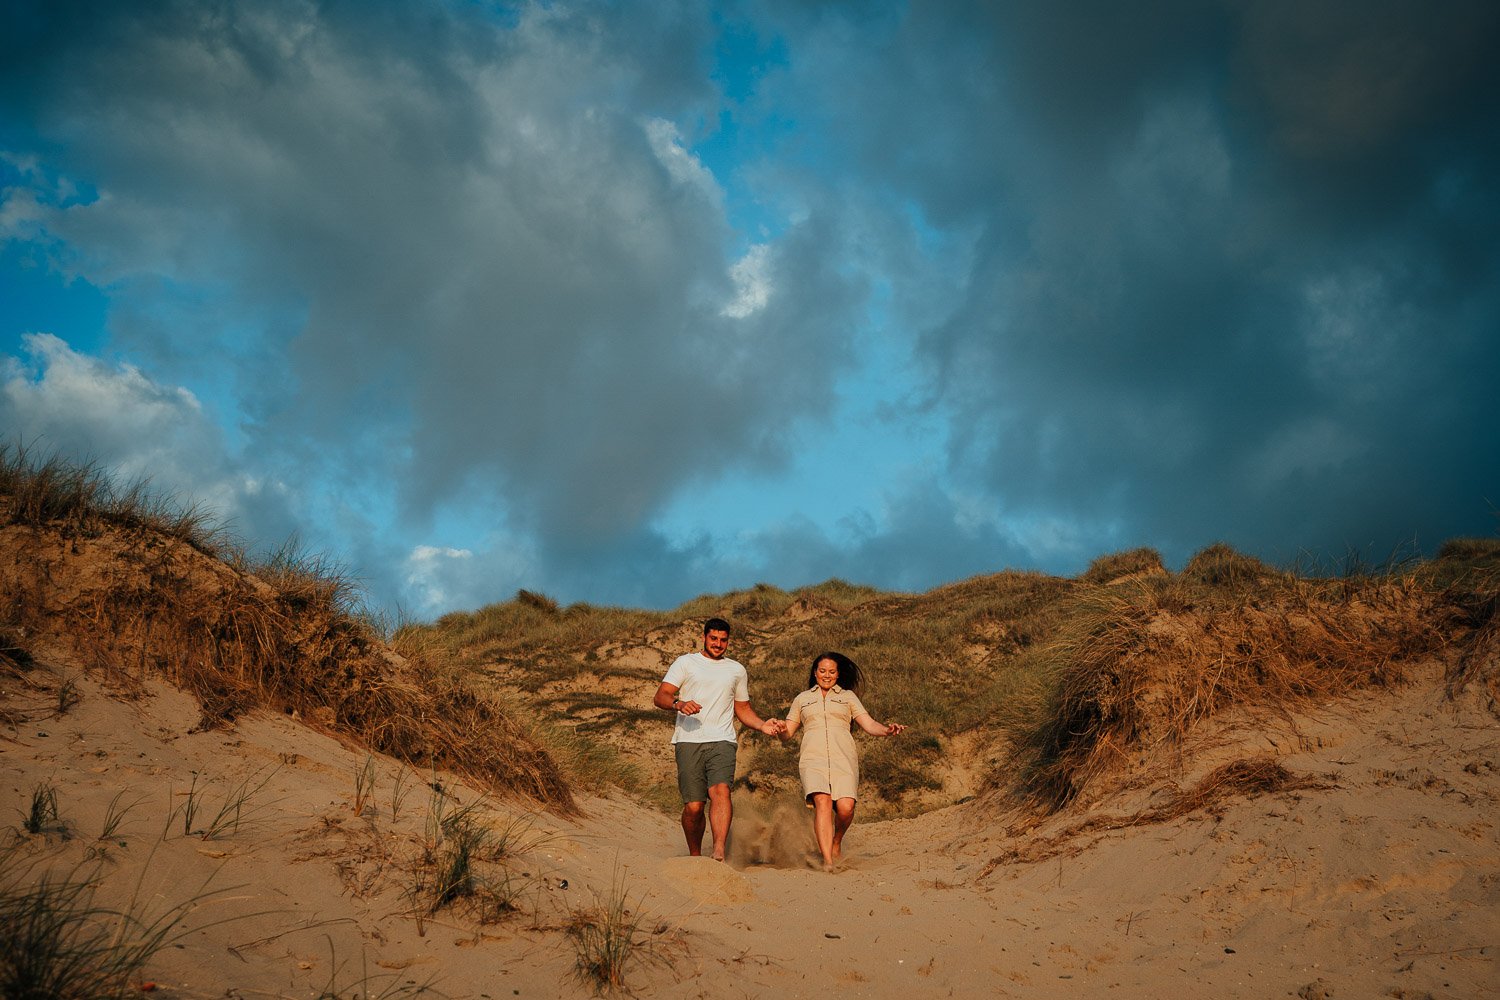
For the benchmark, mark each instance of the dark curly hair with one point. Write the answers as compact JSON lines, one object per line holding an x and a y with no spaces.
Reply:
{"x":850,"y":678}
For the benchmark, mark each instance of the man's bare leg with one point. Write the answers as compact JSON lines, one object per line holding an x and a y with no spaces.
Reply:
{"x":843,"y":818}
{"x":693,"y":823}
{"x":720,"y":815}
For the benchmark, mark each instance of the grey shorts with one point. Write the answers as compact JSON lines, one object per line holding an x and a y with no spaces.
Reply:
{"x":700,"y":766}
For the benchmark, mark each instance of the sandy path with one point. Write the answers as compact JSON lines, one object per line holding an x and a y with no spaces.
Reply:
{"x":1385,"y":883}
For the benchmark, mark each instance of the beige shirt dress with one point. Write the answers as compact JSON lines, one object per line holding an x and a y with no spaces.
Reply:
{"x":829,"y":761}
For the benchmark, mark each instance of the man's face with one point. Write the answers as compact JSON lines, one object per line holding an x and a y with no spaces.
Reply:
{"x":715,"y":641}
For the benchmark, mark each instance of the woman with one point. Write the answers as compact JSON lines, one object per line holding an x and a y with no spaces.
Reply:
{"x":829,"y":761}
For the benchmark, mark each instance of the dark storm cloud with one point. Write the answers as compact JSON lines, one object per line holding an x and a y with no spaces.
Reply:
{"x":1235,"y":266}
{"x":1174,"y":271}
{"x":485,"y":266}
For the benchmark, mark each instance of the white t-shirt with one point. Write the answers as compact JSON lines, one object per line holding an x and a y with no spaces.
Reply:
{"x":714,"y":684}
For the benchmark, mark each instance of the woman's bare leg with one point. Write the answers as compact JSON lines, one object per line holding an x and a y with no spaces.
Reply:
{"x":823,"y":826}
{"x":843,"y":817}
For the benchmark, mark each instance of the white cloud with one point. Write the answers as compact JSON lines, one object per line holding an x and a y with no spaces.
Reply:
{"x":441,"y":578}
{"x":55,"y":399}
{"x":752,"y":283}
{"x":126,"y":418}
{"x":683,"y":166}
{"x":428,"y":572}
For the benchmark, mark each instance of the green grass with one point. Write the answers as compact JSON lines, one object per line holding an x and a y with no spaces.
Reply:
{"x":42,"y":813}
{"x":231,"y":810}
{"x":607,"y":938}
{"x":525,"y":623}
{"x":114,"y":815}
{"x":57,"y":941}
{"x":471,"y":860}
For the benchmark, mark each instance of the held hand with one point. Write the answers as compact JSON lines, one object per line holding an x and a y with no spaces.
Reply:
{"x":773,"y":727}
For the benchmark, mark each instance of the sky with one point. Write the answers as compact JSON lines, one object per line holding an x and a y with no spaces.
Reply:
{"x":631,"y":302}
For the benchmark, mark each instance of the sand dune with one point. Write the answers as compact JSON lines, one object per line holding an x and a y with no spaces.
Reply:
{"x":1381,"y":879}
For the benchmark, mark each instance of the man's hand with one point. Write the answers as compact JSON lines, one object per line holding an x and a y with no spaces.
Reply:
{"x":773,"y":727}
{"x":689,"y":707}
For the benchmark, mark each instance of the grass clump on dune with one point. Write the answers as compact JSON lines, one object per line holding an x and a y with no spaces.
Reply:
{"x":57,"y":941}
{"x":1124,"y":565}
{"x":608,"y":937}
{"x":1468,"y":570}
{"x":531,"y":621}
{"x":1141,"y":665}
{"x":136,"y":588}
{"x":82,"y":496}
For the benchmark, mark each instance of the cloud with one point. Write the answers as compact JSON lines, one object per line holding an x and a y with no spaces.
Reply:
{"x":524,"y":283}
{"x":1222,"y":271}
{"x":54,"y":400}
{"x":467,"y":263}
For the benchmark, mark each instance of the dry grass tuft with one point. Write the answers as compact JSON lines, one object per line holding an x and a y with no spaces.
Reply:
{"x":540,"y":602}
{"x":1221,"y":566}
{"x":136,"y":588}
{"x":1239,"y":779}
{"x":1468,"y":570}
{"x":57,"y":941}
{"x":1142,"y":666}
{"x":1124,"y":565}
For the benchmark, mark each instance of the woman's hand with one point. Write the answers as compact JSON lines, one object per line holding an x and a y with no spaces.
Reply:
{"x":894,"y":729}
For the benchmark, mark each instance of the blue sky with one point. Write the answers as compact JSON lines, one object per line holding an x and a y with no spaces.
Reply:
{"x":627,"y":303}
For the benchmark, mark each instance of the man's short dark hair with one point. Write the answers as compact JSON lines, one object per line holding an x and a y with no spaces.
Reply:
{"x":716,"y":625}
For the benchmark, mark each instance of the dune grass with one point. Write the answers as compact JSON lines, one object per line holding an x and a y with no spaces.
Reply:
{"x":57,"y":941}
{"x":470,"y":859}
{"x":1060,"y":682}
{"x":1141,"y":664}
{"x":530,"y":621}
{"x":1122,"y":565}
{"x":155,"y":587}
{"x":608,"y":937}
{"x":42,"y":813}
{"x":1066,"y":680}
{"x":1467,"y":571}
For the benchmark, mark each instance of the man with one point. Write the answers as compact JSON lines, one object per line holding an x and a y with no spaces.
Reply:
{"x":707,"y":691}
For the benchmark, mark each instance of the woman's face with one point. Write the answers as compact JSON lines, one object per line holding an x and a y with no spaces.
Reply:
{"x":827,"y":674}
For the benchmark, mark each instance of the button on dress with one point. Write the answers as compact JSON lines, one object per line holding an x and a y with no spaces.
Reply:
{"x":829,"y":761}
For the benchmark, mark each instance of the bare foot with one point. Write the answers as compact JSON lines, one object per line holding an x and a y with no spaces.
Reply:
{"x":829,"y":867}
{"x":718,"y":855}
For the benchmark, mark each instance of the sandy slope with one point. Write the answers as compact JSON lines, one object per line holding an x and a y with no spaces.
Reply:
{"x":1385,"y":882}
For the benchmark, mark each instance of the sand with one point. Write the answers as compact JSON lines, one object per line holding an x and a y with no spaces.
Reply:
{"x":1382,"y":880}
